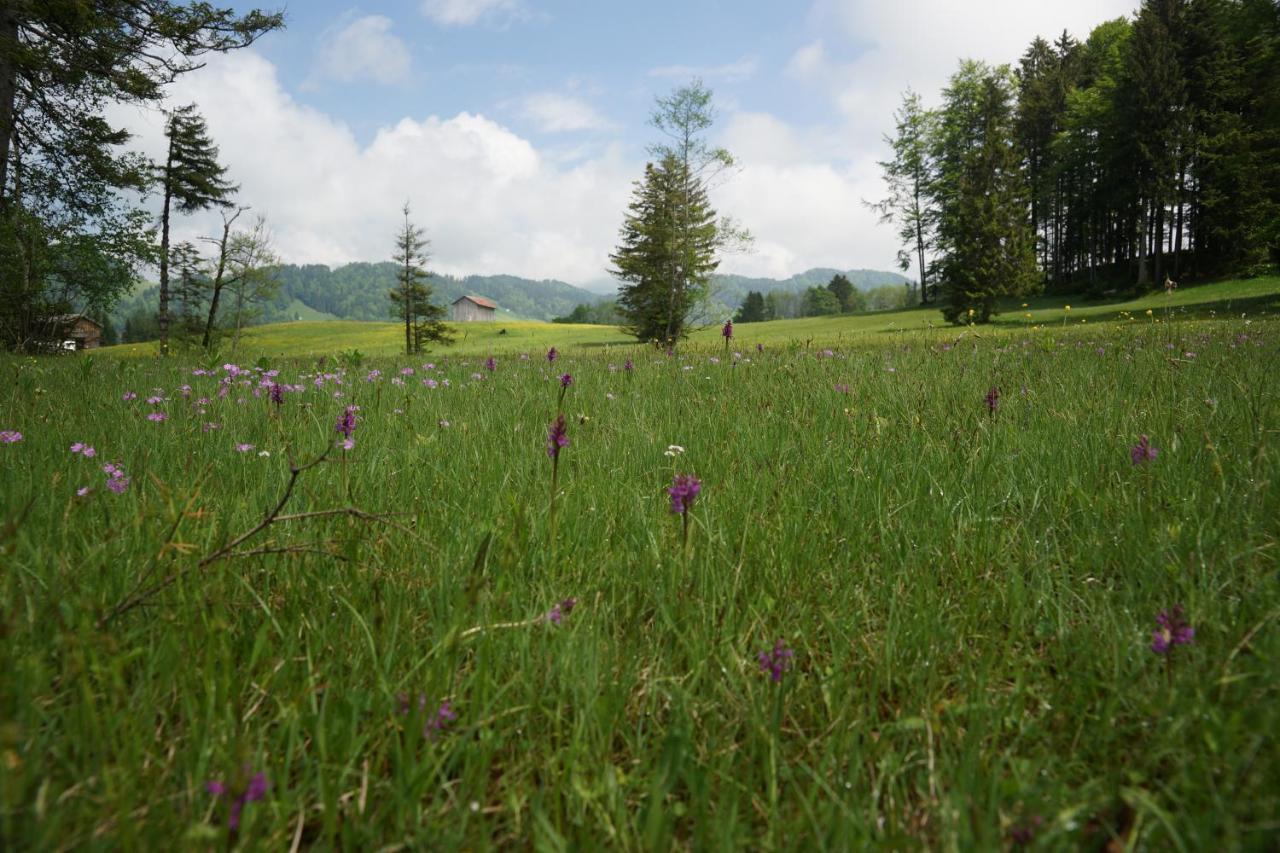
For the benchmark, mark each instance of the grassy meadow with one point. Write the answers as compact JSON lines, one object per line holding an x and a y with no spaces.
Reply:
{"x":915,"y":607}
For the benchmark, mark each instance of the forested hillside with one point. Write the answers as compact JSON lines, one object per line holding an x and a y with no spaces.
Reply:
{"x":358,"y":291}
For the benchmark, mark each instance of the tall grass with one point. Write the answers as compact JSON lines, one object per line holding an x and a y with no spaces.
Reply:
{"x":970,"y":597}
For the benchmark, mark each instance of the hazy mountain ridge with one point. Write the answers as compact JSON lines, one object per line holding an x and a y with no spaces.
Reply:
{"x":358,"y":291}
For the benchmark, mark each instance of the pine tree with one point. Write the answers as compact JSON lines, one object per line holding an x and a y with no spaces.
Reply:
{"x":752,"y":310}
{"x":411,"y":297}
{"x":984,"y":235}
{"x":191,"y":180}
{"x":844,"y":291}
{"x":667,"y":252}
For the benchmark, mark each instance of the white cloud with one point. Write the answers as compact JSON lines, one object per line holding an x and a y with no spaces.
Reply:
{"x":732,"y":72}
{"x":461,"y":13}
{"x":365,"y":48}
{"x":552,"y":112}
{"x":808,"y":60}
{"x":489,"y":201}
{"x":801,"y":197}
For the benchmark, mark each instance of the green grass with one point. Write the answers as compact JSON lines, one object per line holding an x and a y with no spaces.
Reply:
{"x":386,"y":339}
{"x":970,"y":597}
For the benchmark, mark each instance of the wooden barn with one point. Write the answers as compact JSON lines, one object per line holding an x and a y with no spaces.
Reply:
{"x":73,"y":332}
{"x":473,"y":309}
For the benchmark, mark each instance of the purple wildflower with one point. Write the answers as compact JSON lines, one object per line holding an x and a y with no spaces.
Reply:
{"x":552,"y":355}
{"x":118,"y":484}
{"x":244,"y":448}
{"x":776,"y":661}
{"x":255,"y":790}
{"x":10,"y":436}
{"x":346,"y":423}
{"x":1024,"y":833}
{"x":560,"y":610}
{"x":157,"y":417}
{"x":557,"y":437}
{"x":842,"y":388}
{"x":129,"y":395}
{"x":443,"y":716}
{"x":490,"y":365}
{"x":759,"y":347}
{"x":727,"y":331}
{"x":83,"y":491}
{"x":1143,"y":452}
{"x":628,"y":366}
{"x":683,"y":490}
{"x":277,"y":394}
{"x":1171,"y":630}
{"x":84,"y":450}
{"x":155,"y":400}
{"x":566,"y":379}
{"x":993,"y":399}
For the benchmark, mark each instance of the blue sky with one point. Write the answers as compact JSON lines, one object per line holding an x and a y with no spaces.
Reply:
{"x":515,"y":127}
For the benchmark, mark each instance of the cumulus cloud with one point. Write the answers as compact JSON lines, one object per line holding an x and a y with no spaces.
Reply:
{"x":552,"y":112}
{"x":461,"y":13}
{"x":489,"y":201}
{"x":364,"y":49}
{"x":801,"y":195}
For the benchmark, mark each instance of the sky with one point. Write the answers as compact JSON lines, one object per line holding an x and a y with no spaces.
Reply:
{"x":515,"y":129}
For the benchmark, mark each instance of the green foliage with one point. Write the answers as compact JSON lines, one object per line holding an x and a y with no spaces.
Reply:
{"x":667,"y":252}
{"x":752,"y":310}
{"x":411,"y":298}
{"x":849,"y":297}
{"x":62,"y":65}
{"x":970,"y":599}
{"x":908,"y":176}
{"x":819,"y":302}
{"x":983,"y":238}
{"x":190,"y":180}
{"x":597,"y":313}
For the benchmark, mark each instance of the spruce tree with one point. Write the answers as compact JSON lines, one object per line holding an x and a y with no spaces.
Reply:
{"x":411,"y":297}
{"x":191,"y":180}
{"x":752,"y":310}
{"x":667,"y":252}
{"x":984,"y":235}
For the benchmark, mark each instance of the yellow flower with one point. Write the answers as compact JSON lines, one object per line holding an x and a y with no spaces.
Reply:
{"x":1024,"y":305}
{"x":1068,"y":307}
{"x":1148,"y":312}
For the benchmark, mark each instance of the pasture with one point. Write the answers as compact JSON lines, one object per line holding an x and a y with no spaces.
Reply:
{"x":917,"y":602}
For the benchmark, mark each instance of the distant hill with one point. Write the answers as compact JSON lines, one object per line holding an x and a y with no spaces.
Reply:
{"x":732,"y":289}
{"x":359,"y":292}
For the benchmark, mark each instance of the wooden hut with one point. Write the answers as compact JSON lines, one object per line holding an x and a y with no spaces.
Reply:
{"x":73,"y":332}
{"x":473,"y":309}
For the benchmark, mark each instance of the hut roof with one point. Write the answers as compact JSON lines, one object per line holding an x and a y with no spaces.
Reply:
{"x":479,"y":300}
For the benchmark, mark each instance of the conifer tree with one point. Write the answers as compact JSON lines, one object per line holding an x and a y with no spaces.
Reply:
{"x":191,"y":180}
{"x":667,"y":252}
{"x":411,"y":297}
{"x":984,"y":235}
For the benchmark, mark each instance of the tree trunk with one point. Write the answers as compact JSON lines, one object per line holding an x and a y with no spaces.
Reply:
{"x":162,"y":315}
{"x":217,"y":280}
{"x":235,"y":339}
{"x":8,"y":90}
{"x":1177,"y":239}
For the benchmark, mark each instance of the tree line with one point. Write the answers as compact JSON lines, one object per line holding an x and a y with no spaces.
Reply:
{"x":1148,"y":152}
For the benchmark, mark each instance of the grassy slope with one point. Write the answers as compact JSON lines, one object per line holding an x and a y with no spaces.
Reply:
{"x":326,"y":338}
{"x":970,"y":599}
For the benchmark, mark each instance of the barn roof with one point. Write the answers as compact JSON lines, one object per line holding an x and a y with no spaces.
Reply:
{"x":61,"y":320}
{"x":479,"y":300}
